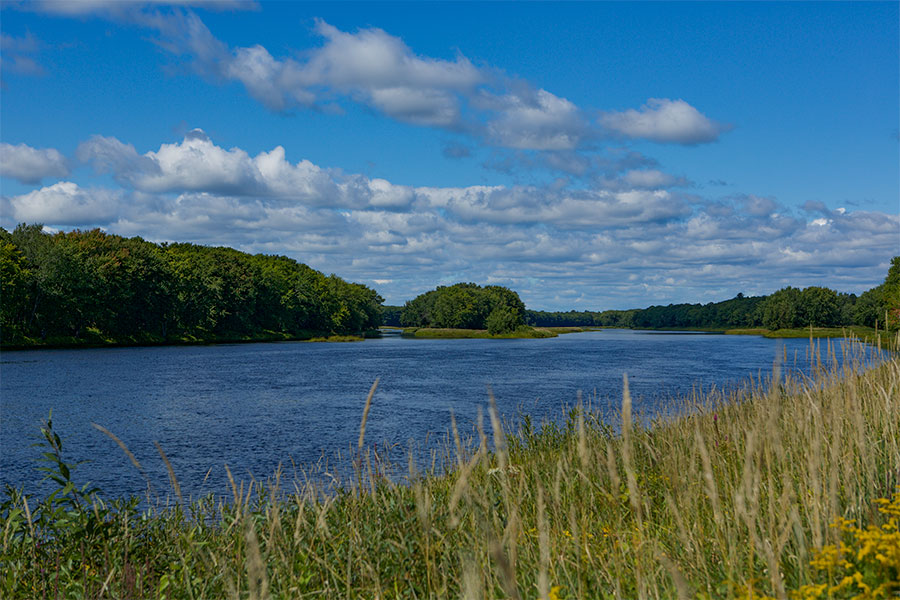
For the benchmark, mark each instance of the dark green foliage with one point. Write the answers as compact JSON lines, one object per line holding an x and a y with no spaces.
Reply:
{"x":792,"y":308}
{"x":781,"y":309}
{"x":868,"y":309}
{"x":891,"y":294}
{"x":740,"y":311}
{"x":787,"y":308}
{"x":502,"y":320}
{"x":881,"y":305}
{"x":820,"y":307}
{"x":390,"y":315}
{"x":465,"y":306}
{"x":89,"y":286}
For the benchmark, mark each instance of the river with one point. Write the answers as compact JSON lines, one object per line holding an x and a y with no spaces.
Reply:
{"x":253,"y":406}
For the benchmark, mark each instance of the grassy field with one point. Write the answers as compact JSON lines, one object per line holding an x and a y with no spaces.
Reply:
{"x":784,"y":491}
{"x":521,"y":332}
{"x":337,"y":338}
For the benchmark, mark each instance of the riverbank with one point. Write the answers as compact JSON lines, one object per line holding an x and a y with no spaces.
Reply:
{"x":93,"y":339}
{"x":869,"y":335}
{"x":886,"y":339}
{"x":524,"y":332}
{"x":734,"y":498}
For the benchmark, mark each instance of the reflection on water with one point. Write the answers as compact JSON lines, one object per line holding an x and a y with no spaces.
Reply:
{"x":254,"y":406}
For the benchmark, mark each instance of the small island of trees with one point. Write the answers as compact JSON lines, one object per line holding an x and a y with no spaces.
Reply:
{"x":493,"y":308}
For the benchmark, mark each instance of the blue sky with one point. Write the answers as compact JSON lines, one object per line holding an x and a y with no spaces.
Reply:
{"x":587,"y":155}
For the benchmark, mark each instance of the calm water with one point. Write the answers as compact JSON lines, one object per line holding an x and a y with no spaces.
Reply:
{"x":255,"y":405}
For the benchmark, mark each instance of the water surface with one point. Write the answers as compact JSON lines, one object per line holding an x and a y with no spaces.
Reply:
{"x":254,"y":406}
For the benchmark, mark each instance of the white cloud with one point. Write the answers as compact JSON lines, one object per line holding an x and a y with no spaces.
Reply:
{"x":125,"y":9}
{"x":198,"y":164}
{"x":381,"y":71}
{"x":537,"y":121}
{"x":109,"y":155}
{"x":17,"y":55}
{"x":65,"y":203}
{"x":369,"y":66}
{"x":664,"y":120}
{"x":562,"y":209}
{"x":31,"y":165}
{"x":614,"y":246}
{"x":758,"y":206}
{"x":651,"y":179}
{"x":277,"y":84}
{"x":372,"y":59}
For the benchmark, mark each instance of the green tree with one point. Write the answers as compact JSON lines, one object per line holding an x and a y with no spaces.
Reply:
{"x":868,"y":308}
{"x":462,"y":305}
{"x":502,"y":319}
{"x":818,"y":307}
{"x":781,"y":309}
{"x":16,"y":283}
{"x":891,"y":294}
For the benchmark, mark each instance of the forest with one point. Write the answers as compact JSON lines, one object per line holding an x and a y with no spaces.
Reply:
{"x":93,"y":287}
{"x":787,"y":308}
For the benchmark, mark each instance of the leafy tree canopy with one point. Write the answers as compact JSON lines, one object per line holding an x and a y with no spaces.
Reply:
{"x":465,"y":306}
{"x":127,"y":289}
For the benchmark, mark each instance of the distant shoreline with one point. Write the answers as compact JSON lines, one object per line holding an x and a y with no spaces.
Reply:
{"x":73,"y":344}
{"x":865,"y":334}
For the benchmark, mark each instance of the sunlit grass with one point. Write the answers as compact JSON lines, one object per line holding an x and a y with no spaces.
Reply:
{"x":867,"y":334}
{"x":734,"y":498}
{"x":522,"y":331}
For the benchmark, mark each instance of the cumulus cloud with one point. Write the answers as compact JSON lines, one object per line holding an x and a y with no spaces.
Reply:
{"x":379,"y":70}
{"x":65,"y":203}
{"x":536,"y":121}
{"x":622,"y":247}
{"x":370,"y":67}
{"x":666,"y":121}
{"x":197,"y":164}
{"x":109,"y":155}
{"x":563,"y":209}
{"x":31,"y":165}
{"x":758,"y":206}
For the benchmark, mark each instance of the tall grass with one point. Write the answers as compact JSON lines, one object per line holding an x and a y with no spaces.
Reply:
{"x":731,"y":499}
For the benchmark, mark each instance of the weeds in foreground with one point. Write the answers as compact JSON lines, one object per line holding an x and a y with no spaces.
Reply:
{"x":736,"y":498}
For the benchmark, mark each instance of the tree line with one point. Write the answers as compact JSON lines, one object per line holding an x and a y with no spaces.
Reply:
{"x":93,"y":286}
{"x":84,"y":285}
{"x":787,"y":308}
{"x":466,"y":306}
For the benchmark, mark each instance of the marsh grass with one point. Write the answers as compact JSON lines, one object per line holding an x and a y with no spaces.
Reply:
{"x":733,"y":498}
{"x":870,"y":335}
{"x":523,"y":331}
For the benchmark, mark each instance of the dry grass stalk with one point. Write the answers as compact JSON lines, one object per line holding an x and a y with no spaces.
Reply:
{"x":365,"y":416}
{"x":172,"y":479}
{"x":257,"y":578}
